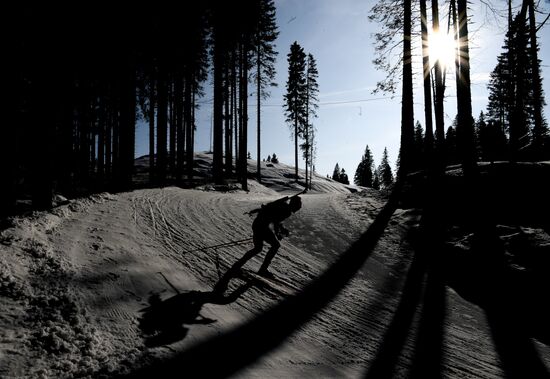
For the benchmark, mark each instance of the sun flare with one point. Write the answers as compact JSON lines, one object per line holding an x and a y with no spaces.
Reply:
{"x":442,"y":48}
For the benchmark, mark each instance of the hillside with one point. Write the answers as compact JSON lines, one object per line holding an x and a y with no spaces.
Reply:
{"x":76,"y":284}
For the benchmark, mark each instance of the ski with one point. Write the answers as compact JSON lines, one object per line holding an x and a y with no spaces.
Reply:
{"x":273,"y":284}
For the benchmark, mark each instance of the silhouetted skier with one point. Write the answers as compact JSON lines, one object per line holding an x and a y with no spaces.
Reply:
{"x":270,"y":214}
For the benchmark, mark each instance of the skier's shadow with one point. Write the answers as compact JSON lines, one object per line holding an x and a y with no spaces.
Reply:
{"x":162,"y":322}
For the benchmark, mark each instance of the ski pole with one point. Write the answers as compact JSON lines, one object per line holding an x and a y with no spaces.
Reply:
{"x":170,"y":284}
{"x":221,"y":245}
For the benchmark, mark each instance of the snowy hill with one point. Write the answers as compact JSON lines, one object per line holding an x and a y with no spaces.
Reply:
{"x":76,"y":282}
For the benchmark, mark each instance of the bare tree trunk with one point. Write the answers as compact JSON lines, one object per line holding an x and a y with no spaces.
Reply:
{"x":101,"y":142}
{"x":109,"y":143}
{"x":127,"y":126}
{"x":173,"y":124}
{"x":152,"y":103}
{"x":190,"y":128}
{"x":181,"y":101}
{"x":407,"y":110}
{"x":306,"y":126}
{"x":227,"y":121}
{"x":465,"y":127}
{"x":258,"y":114}
{"x":439,"y":93}
{"x":217,"y":165}
{"x":162,"y":123}
{"x":244,"y":116}
{"x":296,"y":148}
{"x":429,"y":137}
{"x":235,"y":109}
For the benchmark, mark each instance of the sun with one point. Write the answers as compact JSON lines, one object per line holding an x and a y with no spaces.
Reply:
{"x":442,"y":47}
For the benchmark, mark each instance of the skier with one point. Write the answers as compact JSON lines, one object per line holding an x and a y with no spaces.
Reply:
{"x":270,"y":214}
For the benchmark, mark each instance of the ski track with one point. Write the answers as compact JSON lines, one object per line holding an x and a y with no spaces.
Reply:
{"x":353,"y":325}
{"x":117,"y":247}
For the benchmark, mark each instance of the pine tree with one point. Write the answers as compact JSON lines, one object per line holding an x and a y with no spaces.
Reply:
{"x":418,"y":148}
{"x":429,"y":139}
{"x":295,"y":97}
{"x":376,"y":180}
{"x":451,"y":145}
{"x":407,"y":99}
{"x":264,"y":61}
{"x":481,"y":133}
{"x":336,"y":173}
{"x":385,"y":171}
{"x":364,"y":175}
{"x":343,"y":177}
{"x":515,"y":96}
{"x":312,"y":90}
{"x":540,"y":127}
{"x":465,"y":127}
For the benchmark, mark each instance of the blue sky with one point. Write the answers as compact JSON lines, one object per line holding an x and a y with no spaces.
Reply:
{"x":339,"y":35}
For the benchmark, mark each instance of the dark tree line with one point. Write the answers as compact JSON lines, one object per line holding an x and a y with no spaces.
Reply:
{"x":367,"y":175}
{"x":339,"y":175}
{"x":82,"y":77}
{"x":516,"y":97}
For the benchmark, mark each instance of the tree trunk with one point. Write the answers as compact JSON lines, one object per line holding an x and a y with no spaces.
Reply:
{"x":227,"y":121}
{"x":93,"y":142}
{"x":181,"y":100}
{"x":42,"y":128}
{"x":244,"y":116}
{"x":152,"y":103}
{"x":190,"y":129}
{"x":296,"y":148}
{"x":235,"y":109}
{"x":428,"y":138}
{"x":188,"y":125}
{"x":127,"y":126}
{"x":162,"y":123}
{"x":101,"y":142}
{"x":217,"y":164}
{"x":108,"y":143}
{"x":258,"y":114}
{"x":407,"y":111}
{"x":465,"y":127}
{"x":439,"y":93}
{"x":173,"y":124}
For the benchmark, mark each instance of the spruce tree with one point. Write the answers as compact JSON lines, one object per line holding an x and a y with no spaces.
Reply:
{"x":264,"y":61}
{"x":385,"y":171}
{"x":364,"y":175}
{"x":376,"y":180}
{"x":336,"y":173}
{"x":451,"y":145}
{"x":515,"y":96}
{"x":295,"y":97}
{"x":312,"y":100}
{"x":418,"y":148}
{"x":343,"y":177}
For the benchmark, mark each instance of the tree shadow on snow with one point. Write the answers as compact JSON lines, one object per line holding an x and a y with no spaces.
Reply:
{"x":423,"y":293}
{"x":163,"y":321}
{"x":512,"y":295}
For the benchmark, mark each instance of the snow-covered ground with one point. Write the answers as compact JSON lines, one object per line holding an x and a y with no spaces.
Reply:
{"x":75,"y":283}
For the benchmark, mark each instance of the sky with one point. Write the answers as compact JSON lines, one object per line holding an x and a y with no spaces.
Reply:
{"x":340,"y":37}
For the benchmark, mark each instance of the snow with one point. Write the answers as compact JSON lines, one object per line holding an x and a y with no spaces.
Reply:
{"x":76,"y":283}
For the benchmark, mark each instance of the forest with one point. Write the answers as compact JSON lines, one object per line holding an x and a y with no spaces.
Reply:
{"x":73,"y":114}
{"x":82,"y":78}
{"x":436,"y":269}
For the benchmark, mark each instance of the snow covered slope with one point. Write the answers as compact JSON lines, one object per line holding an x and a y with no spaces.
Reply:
{"x":74,"y":284}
